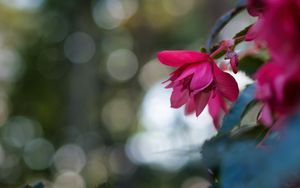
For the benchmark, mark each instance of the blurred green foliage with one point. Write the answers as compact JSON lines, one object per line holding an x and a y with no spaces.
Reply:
{"x":66,"y":99}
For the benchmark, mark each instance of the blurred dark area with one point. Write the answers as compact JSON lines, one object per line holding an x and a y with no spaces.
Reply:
{"x":73,"y":78}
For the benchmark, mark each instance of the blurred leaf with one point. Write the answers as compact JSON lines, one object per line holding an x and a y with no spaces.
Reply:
{"x":249,"y":107}
{"x":250,"y":64}
{"x":242,"y":32}
{"x":256,"y":133}
{"x":241,"y":3}
{"x":222,"y":22}
{"x":247,"y":166}
{"x":234,"y":116}
{"x":263,"y":54}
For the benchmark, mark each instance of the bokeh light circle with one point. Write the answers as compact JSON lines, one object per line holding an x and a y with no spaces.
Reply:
{"x":79,"y":47}
{"x":38,"y":154}
{"x":10,"y":65}
{"x":122,"y":64}
{"x":109,"y":14}
{"x":24,"y":4}
{"x":69,"y":157}
{"x":117,"y":115}
{"x":119,"y":163}
{"x":69,"y":180}
{"x":20,"y":130}
{"x":95,"y":173}
{"x":151,"y":73}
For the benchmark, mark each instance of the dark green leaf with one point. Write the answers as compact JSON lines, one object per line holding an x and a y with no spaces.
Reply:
{"x":243,"y":32}
{"x":250,"y":64}
{"x":234,"y":116}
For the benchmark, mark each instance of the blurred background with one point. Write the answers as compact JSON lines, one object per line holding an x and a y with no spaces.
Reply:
{"x":81,"y":99}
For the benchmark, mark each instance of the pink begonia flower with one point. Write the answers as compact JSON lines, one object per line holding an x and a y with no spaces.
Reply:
{"x":278,"y":27}
{"x":256,"y":7}
{"x":198,"y":81}
{"x":278,"y":87}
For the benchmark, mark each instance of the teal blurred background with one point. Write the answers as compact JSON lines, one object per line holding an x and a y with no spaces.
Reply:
{"x":81,"y":104}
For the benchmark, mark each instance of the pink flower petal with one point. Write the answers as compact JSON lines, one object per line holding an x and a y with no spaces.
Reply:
{"x":190,"y":106}
{"x":263,"y":92}
{"x":234,"y":63}
{"x":226,"y":84}
{"x":173,"y":84}
{"x":179,"y":97}
{"x":279,"y":84}
{"x":253,"y":31}
{"x":188,"y":71}
{"x":177,"y":58}
{"x":265,"y":115}
{"x":202,"y":77}
{"x":175,"y":74}
{"x":233,"y":60}
{"x":201,"y":100}
{"x":216,"y":108}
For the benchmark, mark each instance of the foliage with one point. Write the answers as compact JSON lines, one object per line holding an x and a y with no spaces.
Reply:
{"x":60,"y":102}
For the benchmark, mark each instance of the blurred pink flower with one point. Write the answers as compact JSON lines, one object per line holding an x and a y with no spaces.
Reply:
{"x":198,"y":81}
{"x":278,"y":27}
{"x":256,"y":7}
{"x":278,"y":82}
{"x":278,"y":87}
